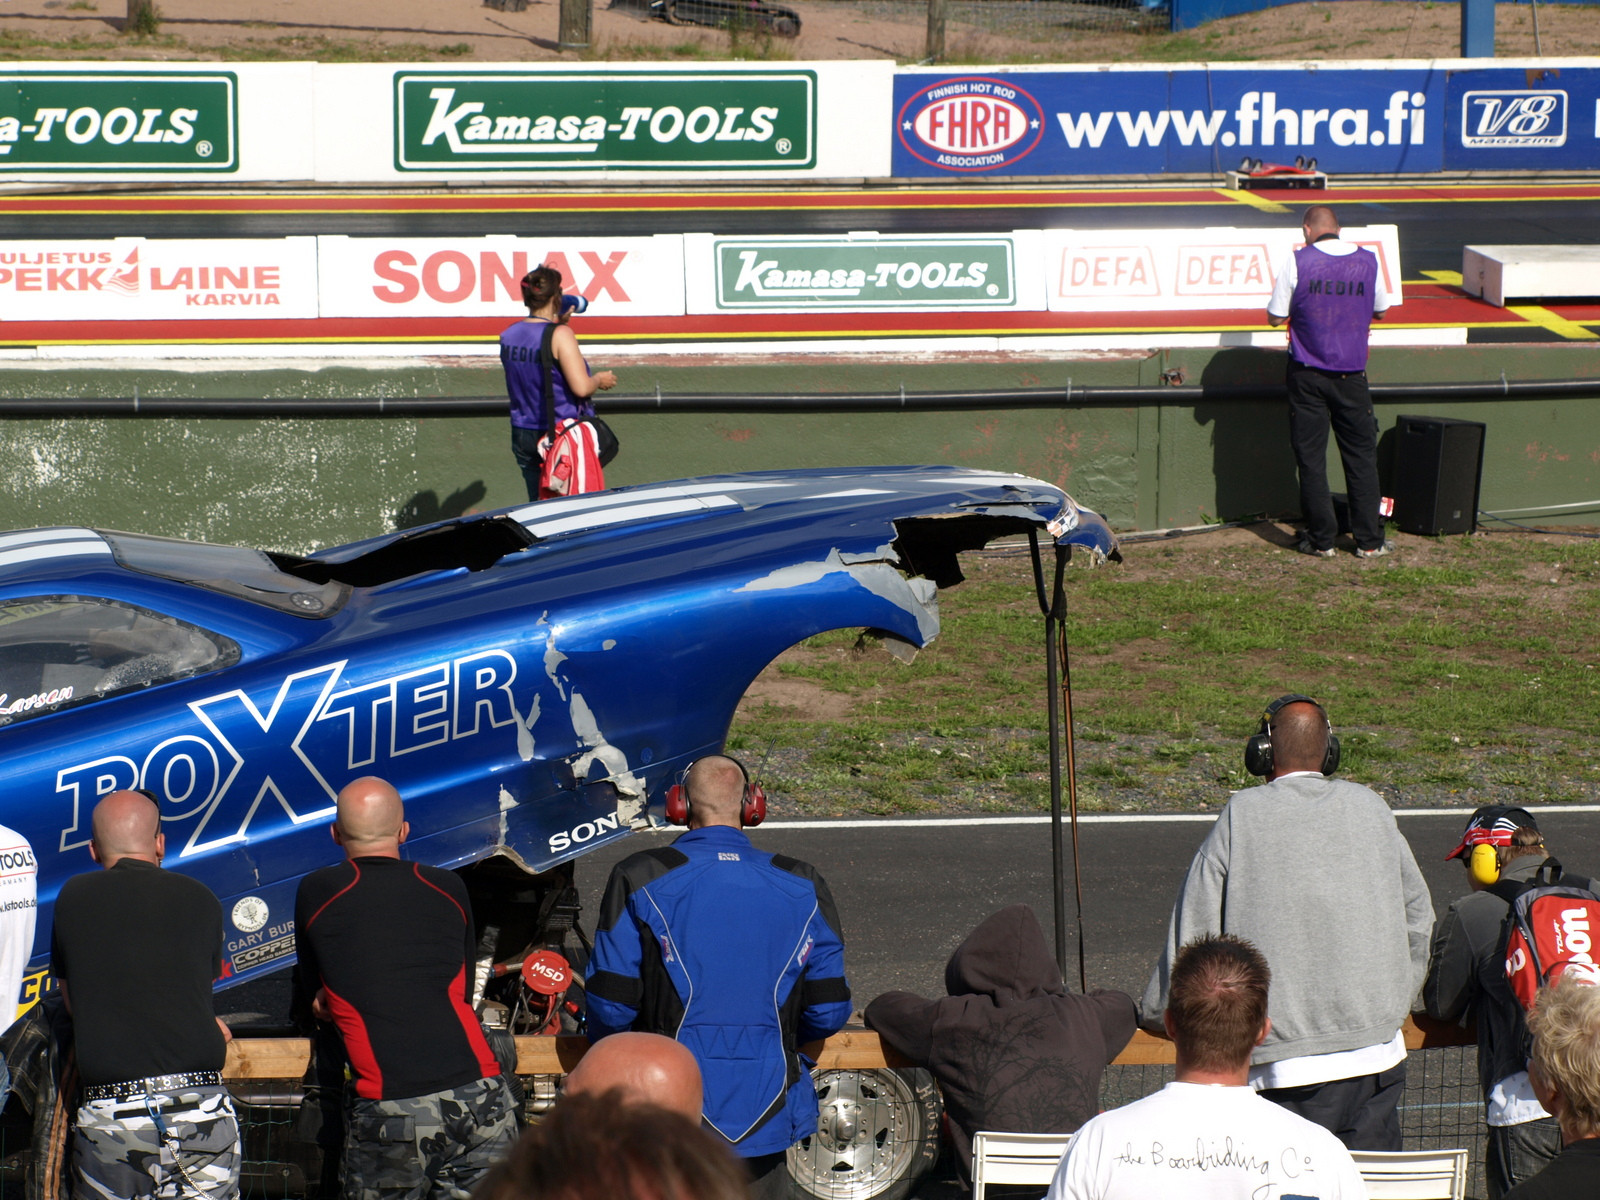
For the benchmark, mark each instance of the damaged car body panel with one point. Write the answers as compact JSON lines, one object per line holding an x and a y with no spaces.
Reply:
{"x":531,"y":680}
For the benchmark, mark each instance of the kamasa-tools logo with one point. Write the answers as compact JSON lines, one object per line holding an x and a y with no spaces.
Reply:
{"x":1514,"y":119}
{"x":537,"y":120}
{"x":971,"y":124}
{"x":87,"y":120}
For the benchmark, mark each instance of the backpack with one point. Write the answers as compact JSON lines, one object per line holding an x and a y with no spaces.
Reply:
{"x":1550,"y":929}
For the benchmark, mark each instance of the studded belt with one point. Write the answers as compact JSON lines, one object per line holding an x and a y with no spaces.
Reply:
{"x":144,"y":1087}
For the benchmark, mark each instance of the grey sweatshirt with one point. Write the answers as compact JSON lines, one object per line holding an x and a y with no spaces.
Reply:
{"x":1314,"y":872}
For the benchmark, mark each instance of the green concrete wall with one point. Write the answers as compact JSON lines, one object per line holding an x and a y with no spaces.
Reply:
{"x":299,"y":483}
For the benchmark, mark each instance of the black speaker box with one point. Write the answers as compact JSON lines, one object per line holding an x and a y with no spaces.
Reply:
{"x":1438,"y":470}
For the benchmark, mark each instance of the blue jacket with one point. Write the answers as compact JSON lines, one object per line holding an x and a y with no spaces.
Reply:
{"x":736,"y":953}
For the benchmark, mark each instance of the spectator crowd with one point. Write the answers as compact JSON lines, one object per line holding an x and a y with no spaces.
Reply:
{"x":1286,"y":975}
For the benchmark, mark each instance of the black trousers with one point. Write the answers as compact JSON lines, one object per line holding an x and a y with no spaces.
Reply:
{"x":1319,"y":400}
{"x":1363,"y":1112}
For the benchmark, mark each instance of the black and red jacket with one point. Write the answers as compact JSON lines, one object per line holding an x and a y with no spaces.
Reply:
{"x":391,"y":943}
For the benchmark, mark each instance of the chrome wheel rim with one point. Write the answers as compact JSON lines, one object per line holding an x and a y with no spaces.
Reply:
{"x":866,"y":1125}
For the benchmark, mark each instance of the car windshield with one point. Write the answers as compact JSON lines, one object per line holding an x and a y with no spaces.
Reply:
{"x":231,"y":570}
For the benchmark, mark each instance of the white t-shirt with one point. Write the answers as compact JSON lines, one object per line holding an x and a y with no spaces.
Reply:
{"x":1194,"y":1141}
{"x":18,"y":910}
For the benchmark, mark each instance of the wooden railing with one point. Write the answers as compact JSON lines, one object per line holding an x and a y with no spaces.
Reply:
{"x":859,"y":1049}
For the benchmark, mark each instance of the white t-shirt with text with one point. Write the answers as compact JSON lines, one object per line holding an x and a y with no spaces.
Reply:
{"x":1193,"y":1141}
{"x":18,"y":911}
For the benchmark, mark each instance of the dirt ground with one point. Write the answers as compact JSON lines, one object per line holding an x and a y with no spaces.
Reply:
{"x":996,"y":31}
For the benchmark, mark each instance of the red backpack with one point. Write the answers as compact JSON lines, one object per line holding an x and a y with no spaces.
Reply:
{"x":1552,"y":929}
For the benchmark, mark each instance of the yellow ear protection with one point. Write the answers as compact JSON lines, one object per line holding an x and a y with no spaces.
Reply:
{"x":1258,"y":750}
{"x":1484,"y":865}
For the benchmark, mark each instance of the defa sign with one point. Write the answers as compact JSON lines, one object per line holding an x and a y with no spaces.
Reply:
{"x":86,"y":120}
{"x":868,"y":273}
{"x":486,"y":121}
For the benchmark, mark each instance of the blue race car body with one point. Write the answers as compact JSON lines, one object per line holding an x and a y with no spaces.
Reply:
{"x":531,"y":679}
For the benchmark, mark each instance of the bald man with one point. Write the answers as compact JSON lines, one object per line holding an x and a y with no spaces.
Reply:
{"x":647,"y":1068}
{"x":135,"y":950}
{"x":1313,"y":871}
{"x":737,"y":954}
{"x":1329,"y":291}
{"x":386,"y":951}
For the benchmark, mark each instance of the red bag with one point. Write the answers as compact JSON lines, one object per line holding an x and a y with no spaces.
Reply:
{"x":1552,"y":929}
{"x":571,"y":464}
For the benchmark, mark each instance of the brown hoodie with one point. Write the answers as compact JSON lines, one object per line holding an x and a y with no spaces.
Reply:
{"x":1012,"y":1049}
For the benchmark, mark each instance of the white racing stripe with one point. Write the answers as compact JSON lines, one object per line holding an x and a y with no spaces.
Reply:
{"x":33,"y":536}
{"x":618,"y":500}
{"x":631,"y":512}
{"x":10,"y":558}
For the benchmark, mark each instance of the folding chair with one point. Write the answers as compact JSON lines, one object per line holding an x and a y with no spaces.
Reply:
{"x":1413,"y":1174}
{"x":1023,"y":1158}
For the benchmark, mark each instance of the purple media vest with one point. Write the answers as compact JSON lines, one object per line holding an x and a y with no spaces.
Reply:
{"x":1331,"y":310}
{"x":519,"y":354}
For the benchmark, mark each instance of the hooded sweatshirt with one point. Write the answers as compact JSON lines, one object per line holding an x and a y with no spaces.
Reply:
{"x":1012,"y":1049}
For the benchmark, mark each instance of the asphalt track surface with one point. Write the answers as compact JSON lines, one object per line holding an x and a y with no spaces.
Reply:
{"x":909,"y":891}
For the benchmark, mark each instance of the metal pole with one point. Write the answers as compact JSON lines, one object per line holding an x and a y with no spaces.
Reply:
{"x":936,"y":15}
{"x":574,"y":34}
{"x":1052,"y":700}
{"x":1072,"y":769}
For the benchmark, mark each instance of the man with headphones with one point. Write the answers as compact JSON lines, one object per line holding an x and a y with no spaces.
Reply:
{"x":1467,"y":971}
{"x":736,"y":953}
{"x":1313,"y":871}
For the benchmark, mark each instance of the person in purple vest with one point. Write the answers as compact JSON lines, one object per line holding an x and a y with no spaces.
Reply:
{"x":1329,"y":291}
{"x":570,"y":380}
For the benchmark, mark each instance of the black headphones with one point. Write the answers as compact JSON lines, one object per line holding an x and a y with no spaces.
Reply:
{"x":1258,"y":750}
{"x":752,"y":807}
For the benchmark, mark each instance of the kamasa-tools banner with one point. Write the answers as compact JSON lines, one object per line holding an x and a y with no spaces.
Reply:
{"x":131,"y":279}
{"x":480,"y":277}
{"x":250,"y":122}
{"x":862,"y":272}
{"x":1181,"y":270}
{"x":1139,"y":120}
{"x":601,"y":121}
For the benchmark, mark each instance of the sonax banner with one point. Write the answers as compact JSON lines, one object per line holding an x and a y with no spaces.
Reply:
{"x":252,"y":121}
{"x":480,"y":277}
{"x":862,"y":272}
{"x":131,"y":279}
{"x":1177,"y":270}
{"x":1136,"y":120}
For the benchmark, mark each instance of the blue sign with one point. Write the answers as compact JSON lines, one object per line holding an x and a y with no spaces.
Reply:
{"x":1509,"y":119}
{"x":1191,"y":120}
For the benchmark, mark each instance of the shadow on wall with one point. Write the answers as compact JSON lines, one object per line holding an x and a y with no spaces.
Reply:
{"x":426,"y":507}
{"x":1250,"y":456}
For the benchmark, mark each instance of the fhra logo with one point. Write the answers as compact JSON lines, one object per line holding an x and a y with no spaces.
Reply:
{"x":1513,"y":118}
{"x":970,"y":124}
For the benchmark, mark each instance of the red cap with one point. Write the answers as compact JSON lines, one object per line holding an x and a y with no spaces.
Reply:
{"x":546,"y":972}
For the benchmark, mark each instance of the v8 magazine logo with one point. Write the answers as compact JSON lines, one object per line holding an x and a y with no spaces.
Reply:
{"x":1514,"y":118}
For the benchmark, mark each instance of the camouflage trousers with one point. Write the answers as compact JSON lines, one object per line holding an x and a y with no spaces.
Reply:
{"x":433,"y":1147}
{"x":160,"y":1146}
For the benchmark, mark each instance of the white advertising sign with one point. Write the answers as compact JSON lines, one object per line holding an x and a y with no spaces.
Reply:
{"x":480,"y":277}
{"x":1177,"y":270}
{"x":131,"y":279}
{"x":504,"y":123}
{"x":222,"y":122}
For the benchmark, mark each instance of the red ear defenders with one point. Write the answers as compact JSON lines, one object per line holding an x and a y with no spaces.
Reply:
{"x":1258,"y":750}
{"x":752,"y":809}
